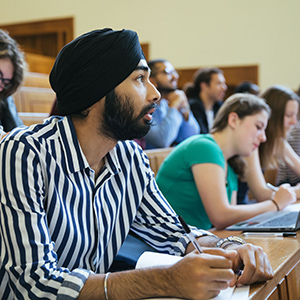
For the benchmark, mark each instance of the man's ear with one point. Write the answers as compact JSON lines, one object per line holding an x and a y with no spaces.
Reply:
{"x":233,"y":120}
{"x":203,"y":86}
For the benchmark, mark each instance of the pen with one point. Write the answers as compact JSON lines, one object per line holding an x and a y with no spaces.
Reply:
{"x":283,"y":234}
{"x":272,"y":187}
{"x":190,"y":234}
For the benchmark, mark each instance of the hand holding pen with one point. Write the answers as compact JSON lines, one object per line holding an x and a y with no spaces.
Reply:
{"x":190,"y":235}
{"x":284,"y":195}
{"x":196,"y":244}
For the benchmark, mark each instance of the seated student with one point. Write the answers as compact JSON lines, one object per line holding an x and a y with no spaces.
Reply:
{"x":12,"y":67}
{"x":247,"y":87}
{"x":284,"y":173}
{"x":284,"y":104}
{"x":199,"y":177}
{"x":173,"y":121}
{"x":206,"y":95}
{"x":75,"y":186}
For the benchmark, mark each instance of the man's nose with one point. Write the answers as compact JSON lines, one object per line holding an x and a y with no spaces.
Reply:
{"x":154,"y":93}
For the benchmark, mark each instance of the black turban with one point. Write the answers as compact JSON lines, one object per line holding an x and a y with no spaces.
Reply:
{"x":92,"y":65}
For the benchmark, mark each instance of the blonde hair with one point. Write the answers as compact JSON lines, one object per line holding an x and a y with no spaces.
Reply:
{"x":271,"y":152}
{"x":243,"y":105}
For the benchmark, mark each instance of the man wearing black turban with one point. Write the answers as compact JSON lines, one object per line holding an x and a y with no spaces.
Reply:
{"x":74,"y":186}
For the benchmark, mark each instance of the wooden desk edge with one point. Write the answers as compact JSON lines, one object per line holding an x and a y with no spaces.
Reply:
{"x":263,"y":290}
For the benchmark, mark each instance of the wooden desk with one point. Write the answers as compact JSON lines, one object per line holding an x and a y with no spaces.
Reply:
{"x":284,"y":256}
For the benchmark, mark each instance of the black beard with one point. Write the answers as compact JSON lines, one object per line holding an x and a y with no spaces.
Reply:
{"x":119,"y":121}
{"x":163,"y":90}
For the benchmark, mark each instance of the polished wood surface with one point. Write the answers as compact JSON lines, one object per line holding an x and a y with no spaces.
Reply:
{"x":157,"y":156}
{"x":284,"y":256}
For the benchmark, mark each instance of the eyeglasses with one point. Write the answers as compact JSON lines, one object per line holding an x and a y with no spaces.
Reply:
{"x":5,"y":83}
{"x":166,"y":72}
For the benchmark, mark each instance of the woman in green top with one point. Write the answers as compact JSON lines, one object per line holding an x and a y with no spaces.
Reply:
{"x":199,"y":177}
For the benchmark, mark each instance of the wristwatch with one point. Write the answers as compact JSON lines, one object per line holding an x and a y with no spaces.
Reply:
{"x":230,"y":240}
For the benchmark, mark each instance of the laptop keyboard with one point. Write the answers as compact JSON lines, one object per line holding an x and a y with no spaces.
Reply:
{"x":287,"y":220}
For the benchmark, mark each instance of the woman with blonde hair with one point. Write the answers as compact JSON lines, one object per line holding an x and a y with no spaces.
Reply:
{"x":284,"y":104}
{"x":200,"y":176}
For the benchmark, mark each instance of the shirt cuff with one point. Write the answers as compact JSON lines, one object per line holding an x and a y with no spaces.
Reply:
{"x":181,"y":245}
{"x":73,"y":284}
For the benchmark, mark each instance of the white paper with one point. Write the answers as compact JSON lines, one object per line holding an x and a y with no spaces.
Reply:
{"x":152,"y":259}
{"x":241,"y":293}
{"x":292,"y":207}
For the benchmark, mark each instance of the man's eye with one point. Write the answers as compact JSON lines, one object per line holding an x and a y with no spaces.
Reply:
{"x":141,"y":78}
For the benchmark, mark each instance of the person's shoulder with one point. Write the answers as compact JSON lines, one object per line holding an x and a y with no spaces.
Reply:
{"x":195,"y":101}
{"x":163,"y":103}
{"x":132,"y":153}
{"x":202,"y":139}
{"x":198,"y":142}
{"x":129,"y":148}
{"x":36,"y":132}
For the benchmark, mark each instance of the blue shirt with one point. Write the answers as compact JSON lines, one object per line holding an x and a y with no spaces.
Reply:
{"x":169,"y":127}
{"x":58,"y":222}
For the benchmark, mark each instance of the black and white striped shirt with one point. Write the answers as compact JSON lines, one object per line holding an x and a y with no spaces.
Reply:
{"x":58,"y":222}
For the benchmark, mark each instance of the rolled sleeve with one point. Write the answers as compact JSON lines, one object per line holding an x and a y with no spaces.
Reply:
{"x":158,"y":225}
{"x":73,"y":284}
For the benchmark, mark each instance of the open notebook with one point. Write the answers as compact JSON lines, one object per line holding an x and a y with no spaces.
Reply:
{"x":151,"y":259}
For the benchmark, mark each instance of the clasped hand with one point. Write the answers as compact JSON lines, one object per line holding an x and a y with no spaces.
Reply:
{"x":202,"y":276}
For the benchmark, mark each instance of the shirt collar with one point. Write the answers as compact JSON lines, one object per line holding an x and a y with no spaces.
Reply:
{"x":74,"y":156}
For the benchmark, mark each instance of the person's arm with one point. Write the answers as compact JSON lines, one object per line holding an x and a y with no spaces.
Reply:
{"x":193,"y":277}
{"x":2,"y":133}
{"x":30,"y":257}
{"x":166,"y":122}
{"x":188,"y":128}
{"x":255,"y":178}
{"x":292,"y":160}
{"x":11,"y":118}
{"x":212,"y":190}
{"x":257,"y":183}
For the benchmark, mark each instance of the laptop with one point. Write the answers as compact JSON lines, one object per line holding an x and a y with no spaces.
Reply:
{"x":278,"y":221}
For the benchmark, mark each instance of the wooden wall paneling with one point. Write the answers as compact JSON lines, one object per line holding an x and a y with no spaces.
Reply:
{"x":157,"y":156}
{"x":145,"y":48}
{"x":31,"y":99}
{"x":45,"y":37}
{"x":39,"y":63}
{"x":35,"y":79}
{"x":18,"y":101}
{"x":234,"y":75}
{"x":33,"y":118}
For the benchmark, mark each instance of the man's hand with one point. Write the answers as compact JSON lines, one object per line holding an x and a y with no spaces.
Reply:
{"x":201,"y":276}
{"x":179,"y":100}
{"x":254,"y":263}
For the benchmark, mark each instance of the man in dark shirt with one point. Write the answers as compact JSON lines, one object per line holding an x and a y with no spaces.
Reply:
{"x":206,"y":95}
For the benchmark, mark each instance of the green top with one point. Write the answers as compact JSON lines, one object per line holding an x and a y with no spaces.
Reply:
{"x":175,"y":177}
